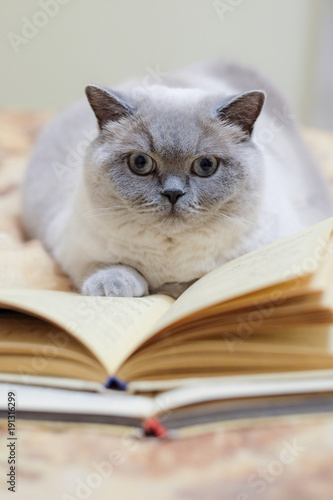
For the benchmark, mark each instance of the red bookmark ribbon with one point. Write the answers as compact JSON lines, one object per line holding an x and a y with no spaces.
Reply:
{"x":153,"y":427}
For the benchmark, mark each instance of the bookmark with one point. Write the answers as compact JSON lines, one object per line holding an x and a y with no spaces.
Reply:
{"x":153,"y":427}
{"x":115,"y":384}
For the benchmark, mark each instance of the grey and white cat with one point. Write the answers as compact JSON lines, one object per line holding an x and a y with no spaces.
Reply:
{"x":171,"y":181}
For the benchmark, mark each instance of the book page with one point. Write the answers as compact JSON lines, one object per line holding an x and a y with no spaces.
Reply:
{"x":109,"y":327}
{"x":290,"y":258}
{"x":244,"y":387}
{"x":162,"y":386}
{"x":36,"y":400}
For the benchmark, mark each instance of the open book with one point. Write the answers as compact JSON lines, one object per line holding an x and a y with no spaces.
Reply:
{"x":267,"y":312}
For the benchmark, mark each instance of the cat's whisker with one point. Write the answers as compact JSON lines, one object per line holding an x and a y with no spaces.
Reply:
{"x":97,"y":212}
{"x":143,"y":210}
{"x":100,"y":208}
{"x":234,"y":219}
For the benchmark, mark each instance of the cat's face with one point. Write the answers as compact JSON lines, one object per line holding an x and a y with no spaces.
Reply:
{"x":177,"y":157}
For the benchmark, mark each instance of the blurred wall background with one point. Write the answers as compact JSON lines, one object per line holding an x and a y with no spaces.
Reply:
{"x":51,"y":48}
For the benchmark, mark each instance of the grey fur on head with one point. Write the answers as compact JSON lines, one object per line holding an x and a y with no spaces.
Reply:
{"x":175,"y":182}
{"x":174,"y":132}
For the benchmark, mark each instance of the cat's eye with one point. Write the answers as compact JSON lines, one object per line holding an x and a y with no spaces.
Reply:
{"x":141,"y":164}
{"x":204,"y":166}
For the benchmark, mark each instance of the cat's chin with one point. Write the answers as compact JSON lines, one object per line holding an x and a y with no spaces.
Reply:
{"x":174,"y":211}
{"x":175,"y":214}
{"x":176,"y":220}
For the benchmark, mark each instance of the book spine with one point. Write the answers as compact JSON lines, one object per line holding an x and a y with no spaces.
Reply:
{"x":115,"y":384}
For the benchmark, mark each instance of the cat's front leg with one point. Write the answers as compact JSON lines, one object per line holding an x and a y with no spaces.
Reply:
{"x":116,"y":281}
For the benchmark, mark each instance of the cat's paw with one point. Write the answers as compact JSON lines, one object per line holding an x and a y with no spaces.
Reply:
{"x":116,"y":281}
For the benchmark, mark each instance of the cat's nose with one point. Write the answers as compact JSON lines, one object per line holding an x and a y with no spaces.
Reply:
{"x":173,"y":194}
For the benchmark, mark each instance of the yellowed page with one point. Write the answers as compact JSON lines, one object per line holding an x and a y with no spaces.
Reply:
{"x":23,"y":334}
{"x":110,"y":328}
{"x":292,"y":257}
{"x":56,"y":367}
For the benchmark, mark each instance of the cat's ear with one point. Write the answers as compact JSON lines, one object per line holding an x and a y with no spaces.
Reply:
{"x":243,"y":110}
{"x":107,"y":105}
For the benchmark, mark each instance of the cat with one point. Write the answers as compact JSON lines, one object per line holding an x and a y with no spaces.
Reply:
{"x":151,"y":187}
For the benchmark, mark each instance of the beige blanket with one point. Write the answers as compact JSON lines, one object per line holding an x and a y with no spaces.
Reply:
{"x":26,"y":263}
